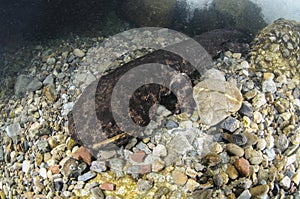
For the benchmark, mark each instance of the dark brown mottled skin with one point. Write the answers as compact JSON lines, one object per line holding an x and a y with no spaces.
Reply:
{"x":145,"y":96}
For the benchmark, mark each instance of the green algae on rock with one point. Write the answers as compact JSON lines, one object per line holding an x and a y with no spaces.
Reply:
{"x":276,"y":47}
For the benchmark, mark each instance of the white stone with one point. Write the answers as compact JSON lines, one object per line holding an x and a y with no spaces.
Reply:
{"x":25,"y":166}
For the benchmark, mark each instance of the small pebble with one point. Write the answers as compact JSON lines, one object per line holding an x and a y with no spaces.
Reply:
{"x":79,"y":53}
{"x":259,"y":191}
{"x":97,"y":193}
{"x":243,"y":166}
{"x":179,"y":177}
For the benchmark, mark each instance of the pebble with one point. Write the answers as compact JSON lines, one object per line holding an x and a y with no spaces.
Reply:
{"x":138,"y":156}
{"x":257,"y":117}
{"x":26,"y":166}
{"x":13,"y":130}
{"x":243,"y":166}
{"x":179,"y":177}
{"x":255,"y":157}
{"x":245,"y":195}
{"x":69,"y":168}
{"x":285,"y":182}
{"x":170,"y":124}
{"x":246,"y":110}
{"x":79,"y":53}
{"x":83,"y":154}
{"x":21,"y":84}
{"x":160,"y":150}
{"x":251,"y":138}
{"x":49,"y":80}
{"x":54,"y":169}
{"x":158,"y":165}
{"x":239,"y":139}
{"x":281,"y":142}
{"x":51,"y":61}
{"x":235,"y":149}
{"x":216,"y":100}
{"x":259,"y":100}
{"x":232,"y":172}
{"x":50,"y":92}
{"x":87,"y":176}
{"x":144,"y":185}
{"x":97,"y":193}
{"x":230,"y":124}
{"x":179,"y":144}
{"x":107,"y":186}
{"x":261,"y":144}
{"x":218,"y":180}
{"x":34,"y":85}
{"x":259,"y":191}
{"x":269,"y":86}
{"x":296,"y":177}
{"x":97,"y":166}
{"x":270,"y":154}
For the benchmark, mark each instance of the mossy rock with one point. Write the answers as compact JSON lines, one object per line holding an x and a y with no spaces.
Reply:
{"x":246,"y":14}
{"x":276,"y":48}
{"x":149,"y":12}
{"x":237,"y":14}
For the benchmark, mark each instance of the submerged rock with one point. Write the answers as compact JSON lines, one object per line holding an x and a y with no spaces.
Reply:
{"x":277,"y":47}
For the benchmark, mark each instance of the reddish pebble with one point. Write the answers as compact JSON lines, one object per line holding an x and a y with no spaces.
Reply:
{"x":146,"y":168}
{"x":107,"y":186}
{"x":138,"y":156}
{"x":243,"y":166}
{"x":83,"y":154}
{"x":54,"y":169}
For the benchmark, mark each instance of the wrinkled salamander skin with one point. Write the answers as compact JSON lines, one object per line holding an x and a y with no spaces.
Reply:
{"x":145,"y":96}
{"x":141,"y":101}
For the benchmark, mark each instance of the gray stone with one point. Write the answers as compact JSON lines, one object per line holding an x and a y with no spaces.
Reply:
{"x":34,"y":85}
{"x":97,"y":193}
{"x":25,"y":166}
{"x":86,"y":78}
{"x":269,"y":86}
{"x":87,"y":176}
{"x":160,"y":150}
{"x":180,"y":144}
{"x":270,"y":154}
{"x":218,"y":180}
{"x":133,"y":169}
{"x":144,"y":185}
{"x":246,"y":110}
{"x":259,"y":100}
{"x":21,"y":84}
{"x":98,"y":166}
{"x":2,"y":154}
{"x":170,"y":124}
{"x":79,"y":53}
{"x":51,"y":61}
{"x":13,"y":130}
{"x":116,"y":165}
{"x":281,"y":142}
{"x":285,"y":182}
{"x":239,"y":139}
{"x":43,"y":146}
{"x":142,"y":146}
{"x":214,"y":74}
{"x":230,"y":124}
{"x":245,"y":195}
